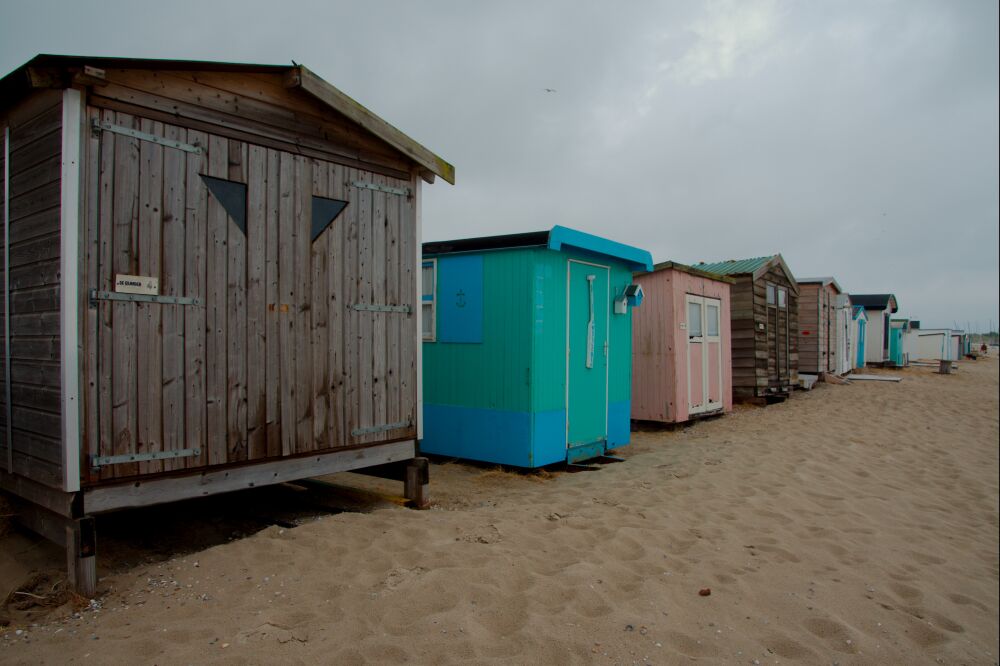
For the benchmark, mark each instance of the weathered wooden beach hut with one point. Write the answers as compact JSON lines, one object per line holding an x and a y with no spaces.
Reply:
{"x":764,"y":315}
{"x":859,"y":335}
{"x":528,"y":346}
{"x":210,"y":283}
{"x":818,"y":329}
{"x":879,"y":308}
{"x":681,"y":345}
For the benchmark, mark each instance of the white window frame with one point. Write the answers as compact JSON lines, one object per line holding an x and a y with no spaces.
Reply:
{"x":430,"y":299}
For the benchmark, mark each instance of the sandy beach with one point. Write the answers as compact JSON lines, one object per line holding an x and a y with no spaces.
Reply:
{"x":853,"y":524}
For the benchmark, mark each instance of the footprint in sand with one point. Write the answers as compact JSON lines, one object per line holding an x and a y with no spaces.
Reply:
{"x":963,"y":600}
{"x":906,"y":592}
{"x":836,"y":636}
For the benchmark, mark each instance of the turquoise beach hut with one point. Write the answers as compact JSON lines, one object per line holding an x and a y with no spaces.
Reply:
{"x":527,"y":352}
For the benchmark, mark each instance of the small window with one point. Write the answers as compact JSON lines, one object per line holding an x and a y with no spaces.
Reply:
{"x":770,"y":294}
{"x":712,"y":320}
{"x":781,"y":297}
{"x":694,"y":320}
{"x":427,"y":290}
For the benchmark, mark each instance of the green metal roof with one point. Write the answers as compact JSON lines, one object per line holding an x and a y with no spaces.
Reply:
{"x":734,"y":266}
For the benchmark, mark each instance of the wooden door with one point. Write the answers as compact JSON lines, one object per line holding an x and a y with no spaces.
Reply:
{"x":778,"y":339}
{"x":281,"y":321}
{"x":704,"y":354}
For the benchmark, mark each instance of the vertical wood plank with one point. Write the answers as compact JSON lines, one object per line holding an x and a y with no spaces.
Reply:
{"x":236,"y":320}
{"x":124,"y":337}
{"x":273,"y":313}
{"x":286,"y":305}
{"x":195,"y":286}
{"x":149,"y":359}
{"x":366,"y":414}
{"x":105,"y":270}
{"x":350,"y":355}
{"x":339,"y":189}
{"x":319,"y":251}
{"x":380,"y":319}
{"x":215,"y":308}
{"x":256,"y":303}
{"x":395,"y":323}
{"x":302,"y":313}
{"x":172,"y":284}
{"x":91,"y":281}
{"x":411,"y":323}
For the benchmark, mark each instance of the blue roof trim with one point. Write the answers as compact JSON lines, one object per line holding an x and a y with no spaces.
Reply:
{"x":638,"y":259}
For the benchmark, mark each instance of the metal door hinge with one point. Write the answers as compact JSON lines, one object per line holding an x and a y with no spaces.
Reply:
{"x":97,"y":295}
{"x":97,"y":127}
{"x":381,"y":428}
{"x":96,"y":462}
{"x":404,"y":192}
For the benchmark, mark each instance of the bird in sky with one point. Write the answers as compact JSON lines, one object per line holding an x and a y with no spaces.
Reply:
{"x":549,"y":89}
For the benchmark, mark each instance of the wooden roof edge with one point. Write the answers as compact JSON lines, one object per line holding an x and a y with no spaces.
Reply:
{"x":691,"y":270}
{"x":778,"y":260}
{"x":302,"y":77}
{"x":61,"y":71}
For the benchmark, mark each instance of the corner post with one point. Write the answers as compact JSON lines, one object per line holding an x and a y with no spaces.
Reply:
{"x":416,"y":483}
{"x":81,"y":555}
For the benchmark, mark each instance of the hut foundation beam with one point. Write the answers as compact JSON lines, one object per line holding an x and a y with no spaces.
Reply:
{"x":417,"y":482}
{"x":77,"y":535}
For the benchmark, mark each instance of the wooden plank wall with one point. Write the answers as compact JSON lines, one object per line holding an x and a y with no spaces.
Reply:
{"x":36,"y":145}
{"x":256,"y":108}
{"x":754,"y":364}
{"x":276,"y":362}
{"x":812,"y":333}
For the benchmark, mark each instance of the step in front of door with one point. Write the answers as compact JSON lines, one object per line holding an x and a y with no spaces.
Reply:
{"x":586,"y":450}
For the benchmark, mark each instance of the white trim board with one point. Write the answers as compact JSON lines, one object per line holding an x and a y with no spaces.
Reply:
{"x":69,"y":311}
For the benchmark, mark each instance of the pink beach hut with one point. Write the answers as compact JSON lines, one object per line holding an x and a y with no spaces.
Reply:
{"x":681,"y":345}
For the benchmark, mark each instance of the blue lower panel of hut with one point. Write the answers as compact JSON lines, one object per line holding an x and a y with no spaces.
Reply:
{"x":619,"y":423}
{"x":519,"y":439}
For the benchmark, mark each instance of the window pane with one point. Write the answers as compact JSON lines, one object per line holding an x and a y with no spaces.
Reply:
{"x":770,"y":294}
{"x":427,"y":281}
{"x":712,"y":320}
{"x":694,"y":320}
{"x":781,"y":297}
{"x":427,"y":320}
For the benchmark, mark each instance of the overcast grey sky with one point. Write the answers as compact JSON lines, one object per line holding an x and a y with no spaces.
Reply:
{"x":859,"y":139}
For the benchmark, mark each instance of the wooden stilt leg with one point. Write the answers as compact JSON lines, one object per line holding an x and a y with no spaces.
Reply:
{"x":81,"y":556}
{"x":415,"y":486}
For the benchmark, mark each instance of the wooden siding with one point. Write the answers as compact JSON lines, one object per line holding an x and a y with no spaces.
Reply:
{"x":818,"y":332}
{"x":254,"y":108}
{"x":274,"y":361}
{"x":755,"y":363}
{"x":35,"y":167}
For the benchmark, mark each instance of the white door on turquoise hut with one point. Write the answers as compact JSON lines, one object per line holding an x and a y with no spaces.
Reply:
{"x":704,"y":354}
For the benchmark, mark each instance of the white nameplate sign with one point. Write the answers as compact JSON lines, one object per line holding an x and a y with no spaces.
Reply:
{"x":137,"y":284}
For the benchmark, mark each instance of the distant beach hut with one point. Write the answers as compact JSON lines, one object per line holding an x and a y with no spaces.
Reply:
{"x":859,"y":335}
{"x":818,"y":331}
{"x":845,"y":324}
{"x":764,"y":312}
{"x":879,"y":308}
{"x":898,"y":329}
{"x":933,"y":344}
{"x":528,"y":346}
{"x":681,"y":345}
{"x":957,"y":344}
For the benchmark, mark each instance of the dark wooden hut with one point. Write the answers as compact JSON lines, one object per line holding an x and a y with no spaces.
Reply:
{"x":764,"y":308}
{"x":210,"y":283}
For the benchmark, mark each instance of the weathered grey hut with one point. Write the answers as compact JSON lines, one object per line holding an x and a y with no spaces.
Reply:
{"x":209,"y":283}
{"x":764,"y":307}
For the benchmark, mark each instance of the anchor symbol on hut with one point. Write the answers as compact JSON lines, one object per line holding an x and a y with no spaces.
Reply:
{"x":460,"y":298}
